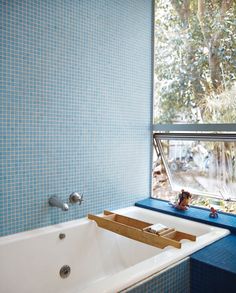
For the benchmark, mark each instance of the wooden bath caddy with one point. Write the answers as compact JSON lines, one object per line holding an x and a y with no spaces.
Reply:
{"x":140,"y":231}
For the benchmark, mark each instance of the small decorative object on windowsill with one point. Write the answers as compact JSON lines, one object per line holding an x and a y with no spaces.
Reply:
{"x":213,"y":213}
{"x":183,"y":200}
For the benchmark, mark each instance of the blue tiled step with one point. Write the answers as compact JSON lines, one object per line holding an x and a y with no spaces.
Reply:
{"x":213,"y":268}
{"x":221,"y":254}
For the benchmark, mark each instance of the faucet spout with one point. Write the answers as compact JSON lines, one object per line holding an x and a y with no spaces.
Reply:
{"x":54,"y":201}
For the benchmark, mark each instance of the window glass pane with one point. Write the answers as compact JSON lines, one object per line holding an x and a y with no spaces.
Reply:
{"x":201,"y":167}
{"x":195,"y":61}
{"x":195,"y":167}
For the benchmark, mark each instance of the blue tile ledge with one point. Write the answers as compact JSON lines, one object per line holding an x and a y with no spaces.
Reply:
{"x":224,"y":220}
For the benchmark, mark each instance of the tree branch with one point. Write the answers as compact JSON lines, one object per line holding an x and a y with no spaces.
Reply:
{"x":201,"y":14}
{"x":214,"y":44}
{"x":225,"y":6}
{"x":183,"y":10}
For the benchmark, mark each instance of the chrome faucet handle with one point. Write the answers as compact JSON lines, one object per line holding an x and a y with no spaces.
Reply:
{"x":76,"y":197}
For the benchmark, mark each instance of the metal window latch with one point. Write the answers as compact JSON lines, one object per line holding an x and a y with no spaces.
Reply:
{"x":76,"y":197}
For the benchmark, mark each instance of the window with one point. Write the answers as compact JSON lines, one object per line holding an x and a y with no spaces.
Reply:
{"x":195,"y":100}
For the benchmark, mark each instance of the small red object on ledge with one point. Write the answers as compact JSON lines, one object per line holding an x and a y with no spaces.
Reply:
{"x":213,"y":213}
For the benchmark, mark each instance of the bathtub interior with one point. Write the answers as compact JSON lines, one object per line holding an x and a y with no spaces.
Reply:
{"x":109,"y":253}
{"x":92,"y":253}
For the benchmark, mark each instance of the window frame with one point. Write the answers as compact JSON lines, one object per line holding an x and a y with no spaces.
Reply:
{"x":221,"y":127}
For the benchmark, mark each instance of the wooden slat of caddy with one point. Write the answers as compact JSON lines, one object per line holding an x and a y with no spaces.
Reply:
{"x":128,"y":221}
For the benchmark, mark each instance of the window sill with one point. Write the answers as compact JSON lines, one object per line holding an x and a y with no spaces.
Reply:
{"x":198,"y":214}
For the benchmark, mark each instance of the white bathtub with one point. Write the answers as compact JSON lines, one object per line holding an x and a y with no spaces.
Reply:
{"x":100,"y":261}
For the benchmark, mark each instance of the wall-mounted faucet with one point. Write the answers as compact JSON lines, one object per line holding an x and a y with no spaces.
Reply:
{"x":76,"y":197}
{"x":55,"y":201}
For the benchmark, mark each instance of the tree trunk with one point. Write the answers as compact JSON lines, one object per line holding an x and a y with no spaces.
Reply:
{"x":183,"y":10}
{"x":212,"y":41}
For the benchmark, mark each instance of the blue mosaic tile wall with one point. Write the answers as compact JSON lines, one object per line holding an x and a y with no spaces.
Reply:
{"x":175,"y":279}
{"x":76,"y":99}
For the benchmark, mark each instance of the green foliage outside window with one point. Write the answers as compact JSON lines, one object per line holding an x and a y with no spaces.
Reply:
{"x":195,"y":61}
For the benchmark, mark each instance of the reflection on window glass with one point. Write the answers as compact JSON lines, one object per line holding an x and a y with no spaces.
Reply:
{"x":205,"y":168}
{"x":195,"y":61}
